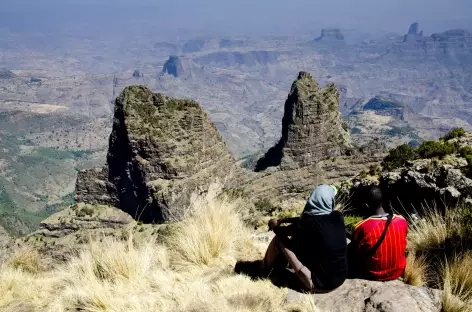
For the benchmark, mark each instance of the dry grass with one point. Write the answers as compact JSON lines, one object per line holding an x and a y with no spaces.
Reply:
{"x":429,"y":233}
{"x":28,"y":260}
{"x":131,"y":276}
{"x":440,"y":243}
{"x":212,"y":230}
{"x":416,"y":270}
{"x":457,"y":296}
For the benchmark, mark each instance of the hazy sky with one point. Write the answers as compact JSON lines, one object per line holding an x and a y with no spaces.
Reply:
{"x":244,"y":16}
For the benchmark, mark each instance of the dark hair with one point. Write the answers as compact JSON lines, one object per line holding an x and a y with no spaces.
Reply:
{"x":374,"y":197}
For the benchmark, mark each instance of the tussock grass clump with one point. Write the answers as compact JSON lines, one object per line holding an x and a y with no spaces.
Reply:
{"x":442,"y":233}
{"x":440,"y":256}
{"x":28,"y":260}
{"x":113,"y":275}
{"x":211,"y":230}
{"x":457,"y":279}
{"x":416,"y":270}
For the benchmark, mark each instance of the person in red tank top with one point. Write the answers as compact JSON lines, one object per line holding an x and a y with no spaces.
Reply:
{"x":388,"y":260}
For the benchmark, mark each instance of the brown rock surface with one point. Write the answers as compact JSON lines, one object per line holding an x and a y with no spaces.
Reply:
{"x":161,"y":150}
{"x":311,"y":127}
{"x":367,"y":296}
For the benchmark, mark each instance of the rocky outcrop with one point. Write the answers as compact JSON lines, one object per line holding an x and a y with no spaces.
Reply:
{"x":414,"y":29}
{"x":444,"y":186}
{"x":311,"y":127}
{"x":249,"y":59}
{"x":423,"y":184}
{"x":137,"y":74}
{"x":180,"y":67}
{"x":6,"y":74}
{"x":63,"y":233}
{"x":368,"y":296}
{"x":161,"y":150}
{"x":413,"y":33}
{"x":330,"y":34}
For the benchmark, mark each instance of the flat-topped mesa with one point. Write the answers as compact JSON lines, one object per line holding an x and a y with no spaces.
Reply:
{"x":161,"y":150}
{"x":180,"y":66}
{"x":312,"y":128}
{"x":330,"y":34}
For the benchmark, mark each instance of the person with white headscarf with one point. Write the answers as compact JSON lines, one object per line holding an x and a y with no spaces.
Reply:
{"x":313,"y":244}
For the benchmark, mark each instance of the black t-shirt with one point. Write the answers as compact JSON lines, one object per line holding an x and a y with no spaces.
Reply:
{"x":322,"y":248}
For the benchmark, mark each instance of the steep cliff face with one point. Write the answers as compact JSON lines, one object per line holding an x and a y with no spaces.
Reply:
{"x":311,"y":127}
{"x":414,"y":29}
{"x":161,"y":150}
{"x":414,"y":33}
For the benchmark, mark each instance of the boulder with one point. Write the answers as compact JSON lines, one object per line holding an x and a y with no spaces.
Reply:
{"x":161,"y":150}
{"x":137,"y":74}
{"x":312,"y":128}
{"x":368,"y":296}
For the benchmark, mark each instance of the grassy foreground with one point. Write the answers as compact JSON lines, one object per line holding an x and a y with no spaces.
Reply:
{"x":190,"y":269}
{"x":440,"y":256}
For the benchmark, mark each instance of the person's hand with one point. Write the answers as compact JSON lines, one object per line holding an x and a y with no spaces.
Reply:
{"x":273,"y":223}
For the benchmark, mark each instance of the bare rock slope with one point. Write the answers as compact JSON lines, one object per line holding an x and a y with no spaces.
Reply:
{"x":161,"y":150}
{"x":312,"y":128}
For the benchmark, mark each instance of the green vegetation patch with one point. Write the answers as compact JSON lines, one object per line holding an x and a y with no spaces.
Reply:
{"x":453,"y":134}
{"x":431,"y":149}
{"x":401,"y":155}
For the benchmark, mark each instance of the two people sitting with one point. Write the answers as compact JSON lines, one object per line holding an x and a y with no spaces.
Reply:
{"x":315,"y":247}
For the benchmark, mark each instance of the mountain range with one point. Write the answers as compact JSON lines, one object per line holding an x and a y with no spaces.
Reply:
{"x":56,"y":107}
